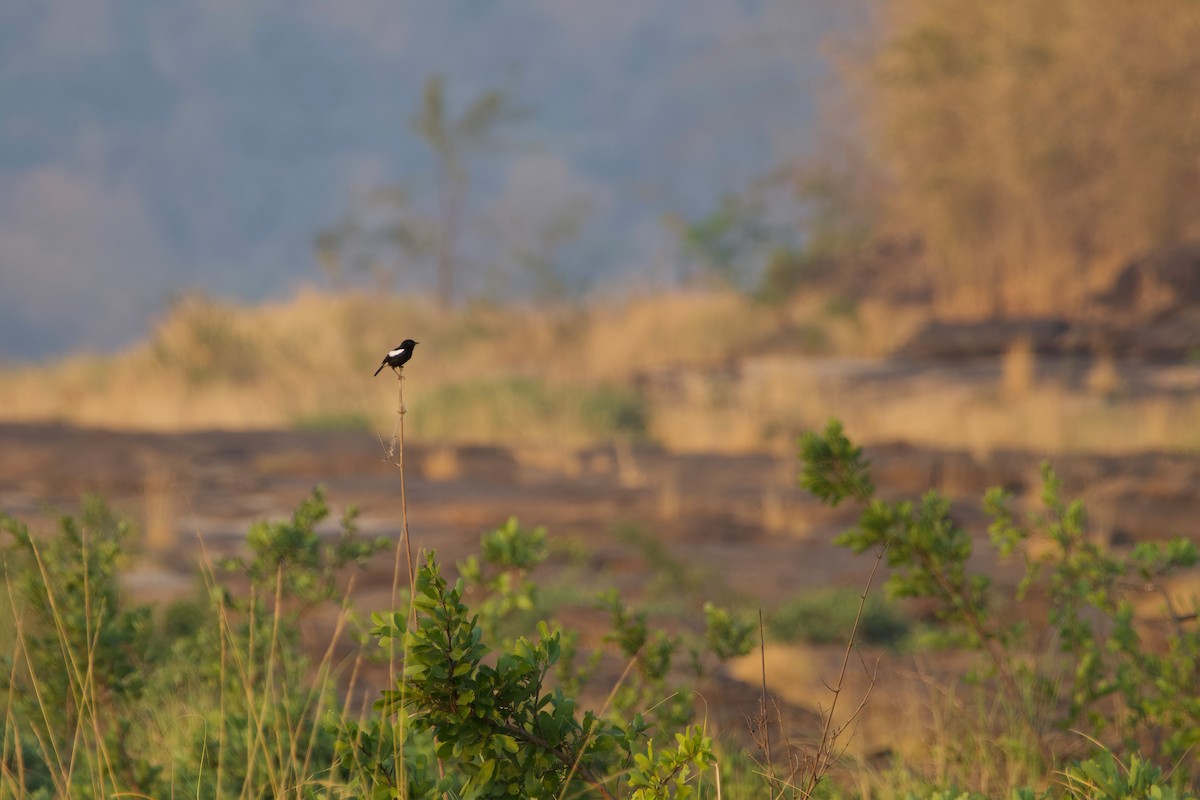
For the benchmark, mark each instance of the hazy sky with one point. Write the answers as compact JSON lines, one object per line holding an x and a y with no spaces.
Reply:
{"x":151,"y":148}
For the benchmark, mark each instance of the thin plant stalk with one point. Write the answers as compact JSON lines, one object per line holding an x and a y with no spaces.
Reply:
{"x":403,"y":545}
{"x":764,"y":712}
{"x":828,"y":751}
{"x":324,"y":672}
{"x":50,"y":752}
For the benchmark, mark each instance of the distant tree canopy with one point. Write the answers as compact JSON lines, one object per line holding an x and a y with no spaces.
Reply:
{"x":382,"y":232}
{"x":453,"y":141}
{"x":1036,"y":144}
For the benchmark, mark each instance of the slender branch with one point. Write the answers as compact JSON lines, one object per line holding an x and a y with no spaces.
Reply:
{"x":825,"y":756}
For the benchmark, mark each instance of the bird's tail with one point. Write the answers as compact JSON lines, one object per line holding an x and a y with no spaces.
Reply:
{"x":381,"y":366}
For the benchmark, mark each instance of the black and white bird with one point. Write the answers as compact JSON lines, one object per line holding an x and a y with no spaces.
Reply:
{"x":399,"y":356}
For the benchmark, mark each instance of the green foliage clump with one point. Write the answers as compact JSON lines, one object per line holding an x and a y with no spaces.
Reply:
{"x":81,"y":659}
{"x":615,"y":410}
{"x":263,"y":729}
{"x":479,"y":713}
{"x":788,"y":270}
{"x":91,"y":674}
{"x":334,"y":420}
{"x":498,"y":408}
{"x":826,"y":616}
{"x":500,"y":572}
{"x":1106,"y":777}
{"x":1103,"y":777}
{"x":496,"y":726}
{"x":289,"y":560}
{"x":1114,"y":684}
{"x":727,"y":635}
{"x":832,"y":468}
{"x":667,"y":773}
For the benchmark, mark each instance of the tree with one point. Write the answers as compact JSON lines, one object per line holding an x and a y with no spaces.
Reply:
{"x":453,"y":141}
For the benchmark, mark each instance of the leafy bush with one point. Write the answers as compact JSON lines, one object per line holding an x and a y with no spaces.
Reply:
{"x":1118,"y":685}
{"x":488,"y":713}
{"x":92,"y":676}
{"x":615,"y":410}
{"x":498,"y":730}
{"x":788,"y":270}
{"x":333,"y":421}
{"x":81,"y":659}
{"x":826,"y":616}
{"x":90,"y":673}
{"x":502,"y":408}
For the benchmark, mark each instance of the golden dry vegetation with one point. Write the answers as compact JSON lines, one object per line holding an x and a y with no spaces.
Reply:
{"x":1032,"y":147}
{"x":308,"y":361}
{"x":699,"y":371}
{"x":1012,"y":157}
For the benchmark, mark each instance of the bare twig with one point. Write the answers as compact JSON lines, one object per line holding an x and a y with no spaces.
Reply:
{"x":828,"y":750}
{"x":764,"y":720}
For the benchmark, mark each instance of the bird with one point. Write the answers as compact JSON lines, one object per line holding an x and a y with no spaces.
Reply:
{"x":398,"y":356}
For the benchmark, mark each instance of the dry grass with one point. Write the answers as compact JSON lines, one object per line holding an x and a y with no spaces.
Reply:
{"x":309,"y":359}
{"x":1005,"y":404}
{"x":1019,"y":369}
{"x":922,"y":725}
{"x":699,"y":371}
{"x":899,"y":720}
{"x":1027,"y":166}
{"x":160,"y":509}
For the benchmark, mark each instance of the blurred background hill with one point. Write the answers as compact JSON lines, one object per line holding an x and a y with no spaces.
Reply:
{"x":705,"y":224}
{"x":146,"y":150}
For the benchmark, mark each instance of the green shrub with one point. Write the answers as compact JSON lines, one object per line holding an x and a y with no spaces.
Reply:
{"x":95,"y":685}
{"x":81,"y":658}
{"x":333,"y":421}
{"x":608,"y":411}
{"x":1106,"y":778}
{"x":826,"y":616}
{"x":1114,"y":683}
{"x":527,"y":408}
{"x":787,"y":271}
{"x":495,"y":724}
{"x":841,"y":306}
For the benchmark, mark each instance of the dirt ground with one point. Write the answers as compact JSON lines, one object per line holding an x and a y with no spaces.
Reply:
{"x":732,"y":528}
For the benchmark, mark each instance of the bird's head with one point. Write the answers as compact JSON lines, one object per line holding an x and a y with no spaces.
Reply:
{"x":408,"y":344}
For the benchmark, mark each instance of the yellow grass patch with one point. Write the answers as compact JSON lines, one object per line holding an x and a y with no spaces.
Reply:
{"x":694,"y":371}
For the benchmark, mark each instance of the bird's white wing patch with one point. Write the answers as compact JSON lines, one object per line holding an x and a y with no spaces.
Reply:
{"x":396,"y":352}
